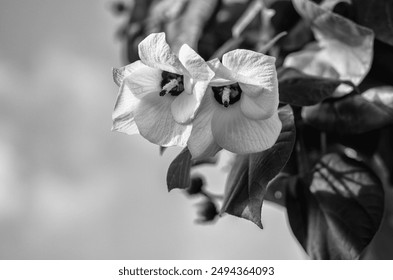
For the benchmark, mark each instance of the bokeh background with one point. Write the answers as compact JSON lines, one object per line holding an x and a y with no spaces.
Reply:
{"x":72,"y":189}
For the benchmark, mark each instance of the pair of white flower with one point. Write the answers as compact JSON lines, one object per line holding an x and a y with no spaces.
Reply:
{"x":179,"y":100}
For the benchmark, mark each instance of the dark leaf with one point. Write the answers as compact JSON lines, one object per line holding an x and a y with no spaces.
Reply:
{"x":278,"y":187}
{"x":297,"y":88}
{"x":218,"y":31}
{"x":353,"y":114}
{"x":366,"y":147}
{"x":134,"y":31}
{"x":298,"y":36}
{"x":381,"y":70}
{"x":385,"y":152}
{"x":285,"y":17}
{"x":338,"y":214}
{"x":178,"y":175}
{"x":381,"y":247}
{"x":377,"y":15}
{"x":250,"y":174}
{"x":209,"y":160}
{"x":341,"y":7}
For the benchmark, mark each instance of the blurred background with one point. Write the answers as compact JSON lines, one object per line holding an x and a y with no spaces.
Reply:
{"x":72,"y":189}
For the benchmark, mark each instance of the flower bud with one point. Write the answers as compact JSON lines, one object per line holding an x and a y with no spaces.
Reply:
{"x":196,"y":186}
{"x":207,"y":211}
{"x":118,"y":7}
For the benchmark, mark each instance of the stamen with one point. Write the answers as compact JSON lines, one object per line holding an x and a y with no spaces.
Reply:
{"x":227,"y":95}
{"x":171,"y":83}
{"x":169,"y":86}
{"x":226,"y":92}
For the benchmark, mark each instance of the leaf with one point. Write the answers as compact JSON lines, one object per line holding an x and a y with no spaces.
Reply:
{"x":377,"y":15}
{"x":285,"y":15}
{"x":248,"y":179}
{"x":218,"y":31}
{"x":381,"y":69}
{"x":337,"y":216}
{"x":353,"y":114}
{"x":385,"y":153}
{"x":298,"y":36}
{"x":188,"y":27}
{"x":278,"y":187}
{"x":178,"y":175}
{"x":381,"y":95}
{"x":297,"y":88}
{"x":332,"y":5}
{"x":343,"y":51}
{"x":134,"y":31}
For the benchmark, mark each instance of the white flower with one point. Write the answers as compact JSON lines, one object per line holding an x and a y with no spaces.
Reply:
{"x":239,"y":110}
{"x":160,"y":94}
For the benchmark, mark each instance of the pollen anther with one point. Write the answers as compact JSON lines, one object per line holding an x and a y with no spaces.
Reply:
{"x":226,"y":93}
{"x":169,"y":86}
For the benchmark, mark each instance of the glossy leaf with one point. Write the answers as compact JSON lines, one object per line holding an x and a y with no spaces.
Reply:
{"x":250,"y":174}
{"x":297,"y":88}
{"x":278,"y":187}
{"x":353,"y":114}
{"x":178,"y":175}
{"x":338,"y":214}
{"x":343,"y":51}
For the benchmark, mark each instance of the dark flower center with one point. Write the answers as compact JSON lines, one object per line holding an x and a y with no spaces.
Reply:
{"x":171,"y":83}
{"x":227,"y":95}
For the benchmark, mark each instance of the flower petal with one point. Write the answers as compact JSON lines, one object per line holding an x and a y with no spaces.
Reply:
{"x":155,"y":122}
{"x":155,"y":52}
{"x":252,"y":68}
{"x":144,"y":80}
{"x":258,"y":103}
{"x":238,"y":134}
{"x":201,"y":143}
{"x":125,"y":124}
{"x":122,"y":116}
{"x":195,"y":64}
{"x":223,"y":76}
{"x":185,"y":106}
{"x":119,"y":74}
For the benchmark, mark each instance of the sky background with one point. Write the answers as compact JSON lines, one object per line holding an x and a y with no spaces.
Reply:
{"x":72,"y":189}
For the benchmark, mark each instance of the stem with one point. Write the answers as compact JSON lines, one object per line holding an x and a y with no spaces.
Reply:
{"x":301,"y":151}
{"x":211,"y":195}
